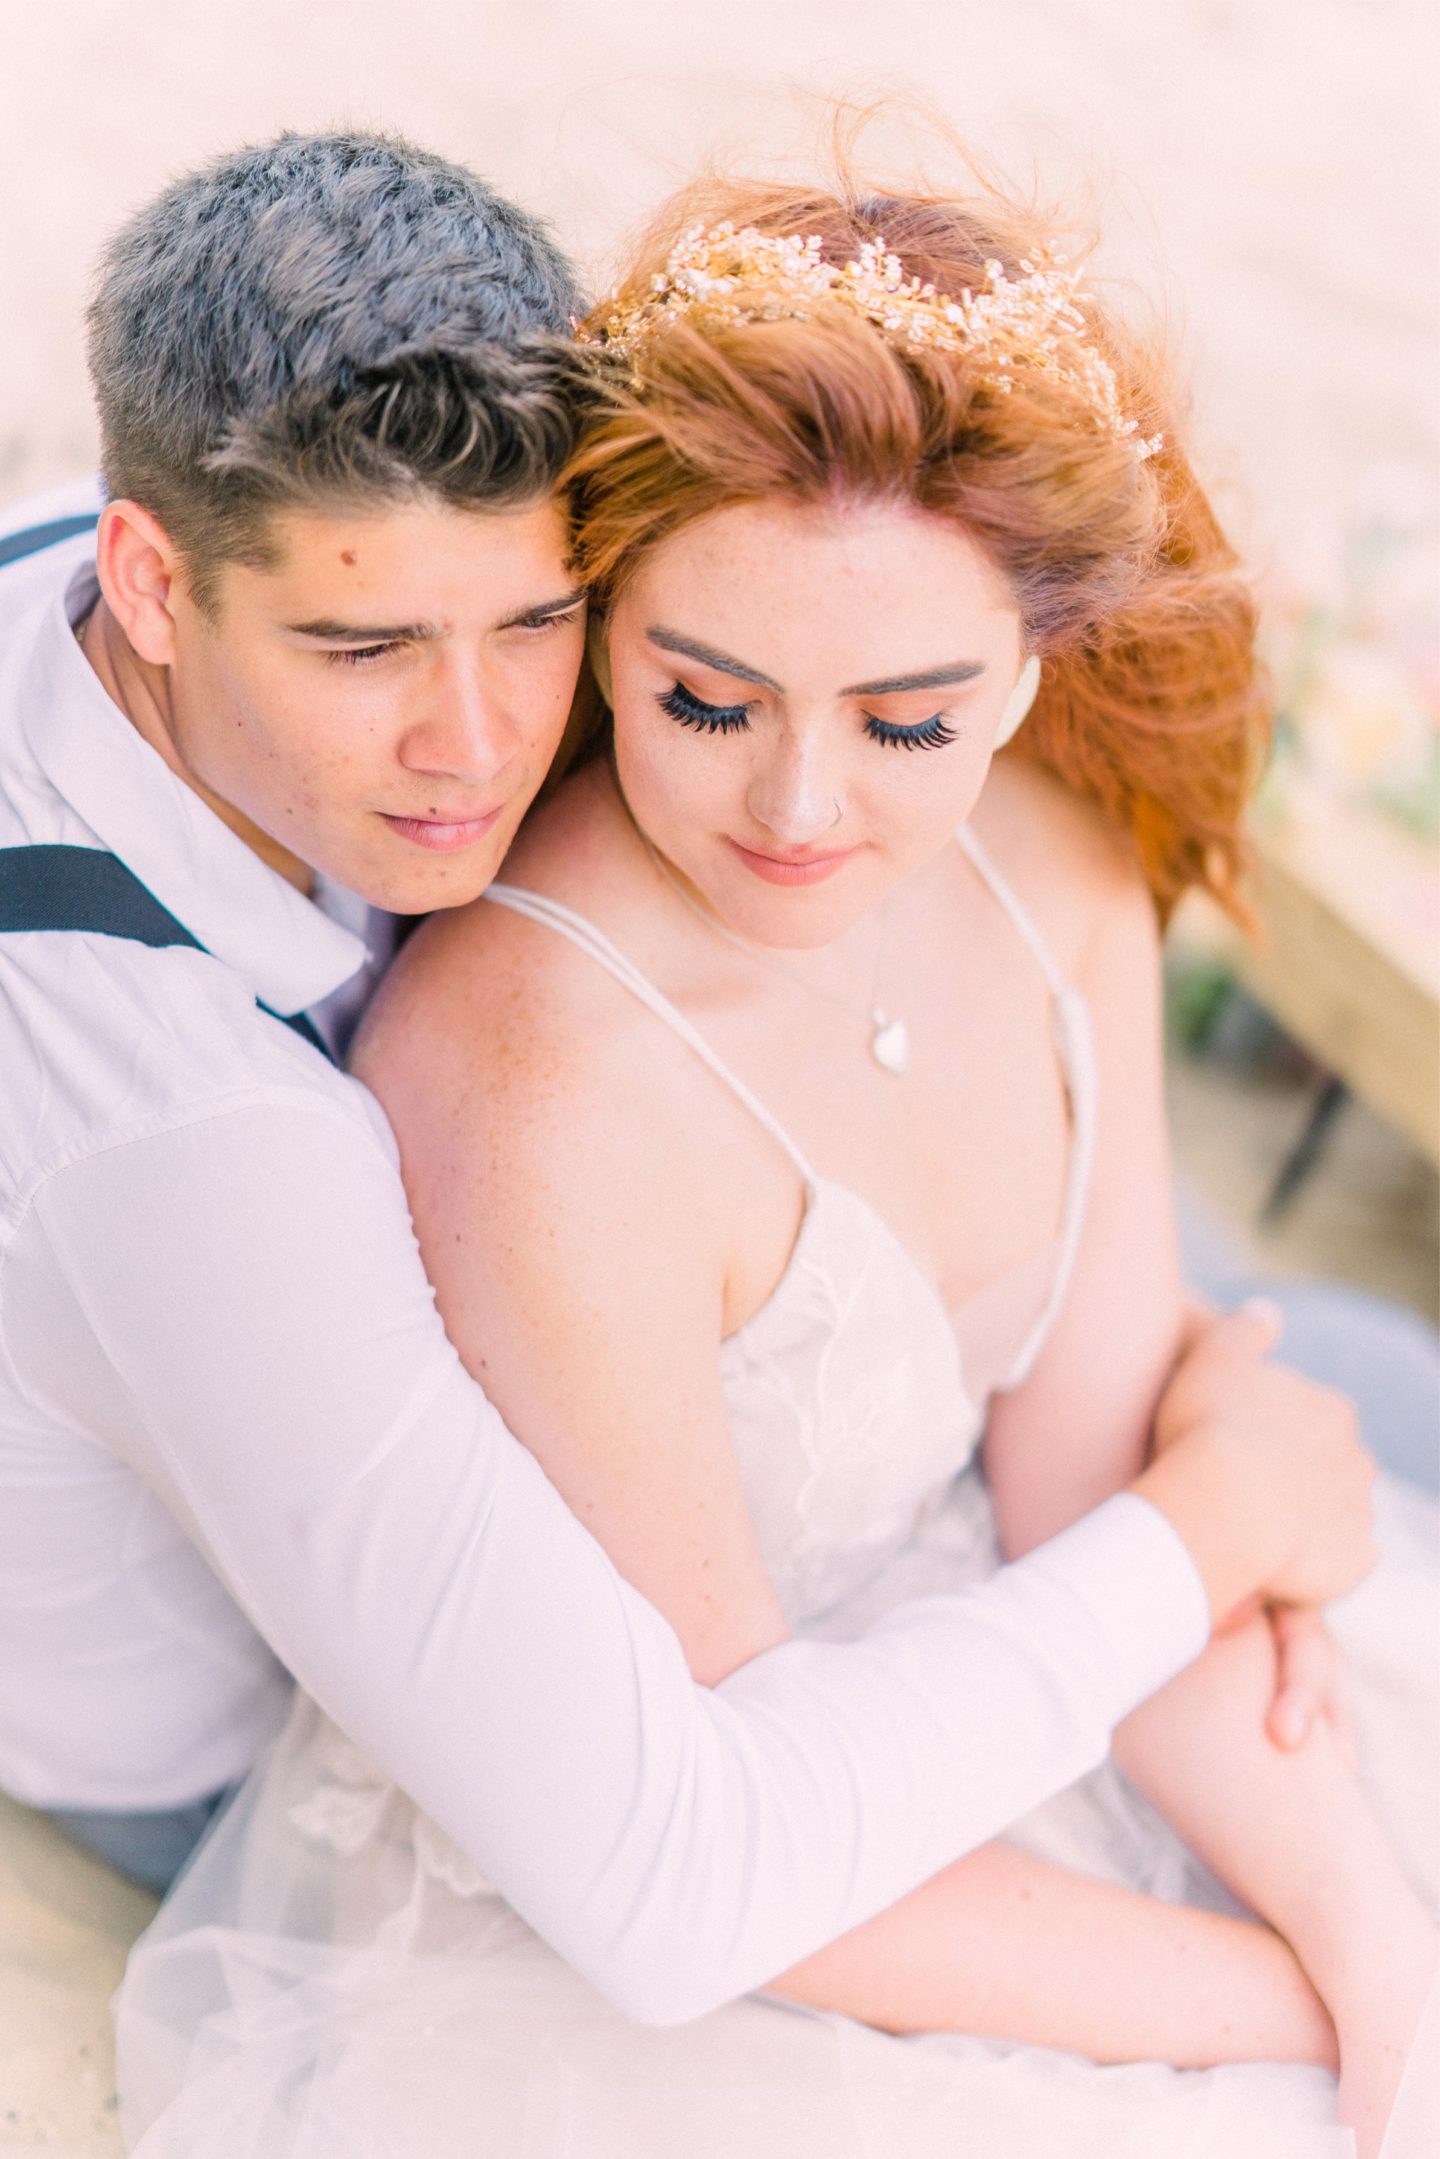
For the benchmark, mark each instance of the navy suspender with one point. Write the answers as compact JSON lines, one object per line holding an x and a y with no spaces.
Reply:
{"x":84,"y":888}
{"x":15,"y":545}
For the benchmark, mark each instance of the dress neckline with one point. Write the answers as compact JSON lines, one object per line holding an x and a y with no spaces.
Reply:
{"x":1074,"y":1045}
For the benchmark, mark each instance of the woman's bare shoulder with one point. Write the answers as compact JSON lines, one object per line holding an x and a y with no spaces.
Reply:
{"x":471,"y":976}
{"x":487,"y":1019}
{"x":1072,"y":868}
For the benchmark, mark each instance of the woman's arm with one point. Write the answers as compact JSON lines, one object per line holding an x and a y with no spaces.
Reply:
{"x":581,"y":1269}
{"x":578,"y":1259}
{"x":1078,"y":1427}
{"x":1289,"y":1831}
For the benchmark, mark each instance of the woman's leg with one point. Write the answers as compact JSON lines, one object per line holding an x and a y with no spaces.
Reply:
{"x":1007,"y":1946}
{"x":1292,"y":1834}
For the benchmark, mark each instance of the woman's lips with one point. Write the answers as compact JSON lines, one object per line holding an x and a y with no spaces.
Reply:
{"x":443,"y":835}
{"x":798,"y":869}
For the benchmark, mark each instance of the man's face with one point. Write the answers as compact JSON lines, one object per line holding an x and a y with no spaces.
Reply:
{"x":385,"y":700}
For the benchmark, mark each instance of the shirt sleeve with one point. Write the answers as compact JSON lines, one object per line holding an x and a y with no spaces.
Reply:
{"x":271,"y":1359}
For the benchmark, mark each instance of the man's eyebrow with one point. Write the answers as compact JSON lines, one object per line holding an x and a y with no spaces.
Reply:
{"x":420,"y":633}
{"x":354,"y":633}
{"x":543,"y":610}
{"x":932,"y":678}
{"x":690,"y":648}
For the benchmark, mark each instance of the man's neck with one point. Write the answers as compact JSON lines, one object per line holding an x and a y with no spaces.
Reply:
{"x":143,"y":693}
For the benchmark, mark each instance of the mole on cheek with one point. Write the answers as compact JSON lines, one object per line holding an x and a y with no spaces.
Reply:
{"x":347,"y":556}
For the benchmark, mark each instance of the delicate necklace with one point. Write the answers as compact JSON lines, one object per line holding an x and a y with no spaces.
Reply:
{"x":889,"y":1038}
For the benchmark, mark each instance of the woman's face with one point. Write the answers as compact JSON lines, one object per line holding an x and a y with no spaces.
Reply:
{"x":806,"y":701}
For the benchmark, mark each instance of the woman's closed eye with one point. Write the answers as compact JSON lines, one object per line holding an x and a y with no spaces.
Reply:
{"x":931,"y":734}
{"x":692,"y":711}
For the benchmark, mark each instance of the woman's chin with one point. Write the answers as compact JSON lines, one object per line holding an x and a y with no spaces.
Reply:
{"x":795,"y":918}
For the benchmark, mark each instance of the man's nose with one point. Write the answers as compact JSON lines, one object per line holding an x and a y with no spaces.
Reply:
{"x":795,"y":794}
{"x":463,"y":733}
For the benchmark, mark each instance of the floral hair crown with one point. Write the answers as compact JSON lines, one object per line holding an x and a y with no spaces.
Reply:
{"x":1029,"y":323}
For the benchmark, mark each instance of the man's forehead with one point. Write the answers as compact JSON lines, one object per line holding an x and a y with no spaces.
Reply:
{"x":411,"y":569}
{"x":351,"y":534}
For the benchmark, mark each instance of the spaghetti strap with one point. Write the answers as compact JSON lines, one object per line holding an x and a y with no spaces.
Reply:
{"x":1009,"y":899}
{"x":1075,"y":1042}
{"x":1073,"y":1037}
{"x":587,"y":938}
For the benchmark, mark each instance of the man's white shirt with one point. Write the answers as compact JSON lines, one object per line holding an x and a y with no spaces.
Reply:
{"x":236,"y":1443}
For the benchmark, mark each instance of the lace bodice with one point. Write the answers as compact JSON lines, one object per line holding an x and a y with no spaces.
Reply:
{"x":850,"y":1398}
{"x":846,"y":1402}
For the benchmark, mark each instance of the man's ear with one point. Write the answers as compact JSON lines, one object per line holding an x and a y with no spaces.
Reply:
{"x":138,"y":565}
{"x":598,"y":654}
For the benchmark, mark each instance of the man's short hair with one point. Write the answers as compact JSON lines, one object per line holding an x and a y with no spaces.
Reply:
{"x":326,"y":319}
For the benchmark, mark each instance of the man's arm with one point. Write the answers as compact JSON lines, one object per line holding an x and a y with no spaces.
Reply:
{"x":269,"y":1356}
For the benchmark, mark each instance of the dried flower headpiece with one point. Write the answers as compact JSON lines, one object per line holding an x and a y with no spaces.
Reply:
{"x":1027,"y":323}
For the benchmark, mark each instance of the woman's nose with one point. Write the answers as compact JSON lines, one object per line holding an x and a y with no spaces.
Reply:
{"x":795,"y":795}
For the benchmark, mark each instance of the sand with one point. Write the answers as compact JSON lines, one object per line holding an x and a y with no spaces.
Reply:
{"x":1267,"y":167}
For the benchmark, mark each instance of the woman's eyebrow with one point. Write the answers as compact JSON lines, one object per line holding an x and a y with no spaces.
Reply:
{"x":929,"y":678}
{"x":691,"y":649}
{"x":932,"y":678}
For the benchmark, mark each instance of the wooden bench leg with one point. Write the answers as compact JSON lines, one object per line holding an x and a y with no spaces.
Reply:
{"x":1307,"y":1149}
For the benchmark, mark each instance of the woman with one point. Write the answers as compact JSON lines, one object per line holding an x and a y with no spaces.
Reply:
{"x":778,"y":1141}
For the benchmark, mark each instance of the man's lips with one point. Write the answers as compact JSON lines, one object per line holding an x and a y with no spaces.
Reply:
{"x":444,"y":835}
{"x":802,"y":866}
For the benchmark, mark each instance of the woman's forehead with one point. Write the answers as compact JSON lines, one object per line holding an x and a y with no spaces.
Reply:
{"x":866,"y":591}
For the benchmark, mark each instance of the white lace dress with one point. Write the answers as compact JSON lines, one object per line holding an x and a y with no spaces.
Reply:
{"x":332,"y":1979}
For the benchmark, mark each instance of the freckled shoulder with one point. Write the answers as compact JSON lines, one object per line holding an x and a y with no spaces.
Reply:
{"x":484,"y":1004}
{"x":482,"y":987}
{"x":495,"y":1044}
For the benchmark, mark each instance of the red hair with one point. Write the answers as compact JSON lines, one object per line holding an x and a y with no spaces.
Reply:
{"x":1150,"y":702}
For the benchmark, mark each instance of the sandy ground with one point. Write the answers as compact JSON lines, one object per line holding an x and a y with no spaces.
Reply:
{"x":1267,"y":165}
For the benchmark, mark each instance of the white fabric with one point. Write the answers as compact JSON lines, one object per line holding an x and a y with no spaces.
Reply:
{"x":232,"y":1431}
{"x":331,"y":1978}
{"x":993,"y":1355}
{"x":335,"y":1974}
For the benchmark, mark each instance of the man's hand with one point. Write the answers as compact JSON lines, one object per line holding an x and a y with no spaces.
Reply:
{"x":1312,"y":1679}
{"x":1312,"y":1682}
{"x":1259,"y":1469}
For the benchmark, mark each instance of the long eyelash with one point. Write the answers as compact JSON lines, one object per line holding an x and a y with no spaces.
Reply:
{"x":692,"y":711}
{"x":932,"y":734}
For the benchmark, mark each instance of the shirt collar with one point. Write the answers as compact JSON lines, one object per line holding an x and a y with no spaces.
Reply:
{"x":290,"y":952}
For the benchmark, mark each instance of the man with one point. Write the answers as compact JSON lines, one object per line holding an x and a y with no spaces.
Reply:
{"x":307,"y":676}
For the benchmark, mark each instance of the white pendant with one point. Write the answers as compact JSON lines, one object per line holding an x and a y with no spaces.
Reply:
{"x":890,"y":1044}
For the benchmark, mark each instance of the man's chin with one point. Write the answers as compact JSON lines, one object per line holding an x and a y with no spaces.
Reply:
{"x":453,"y":883}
